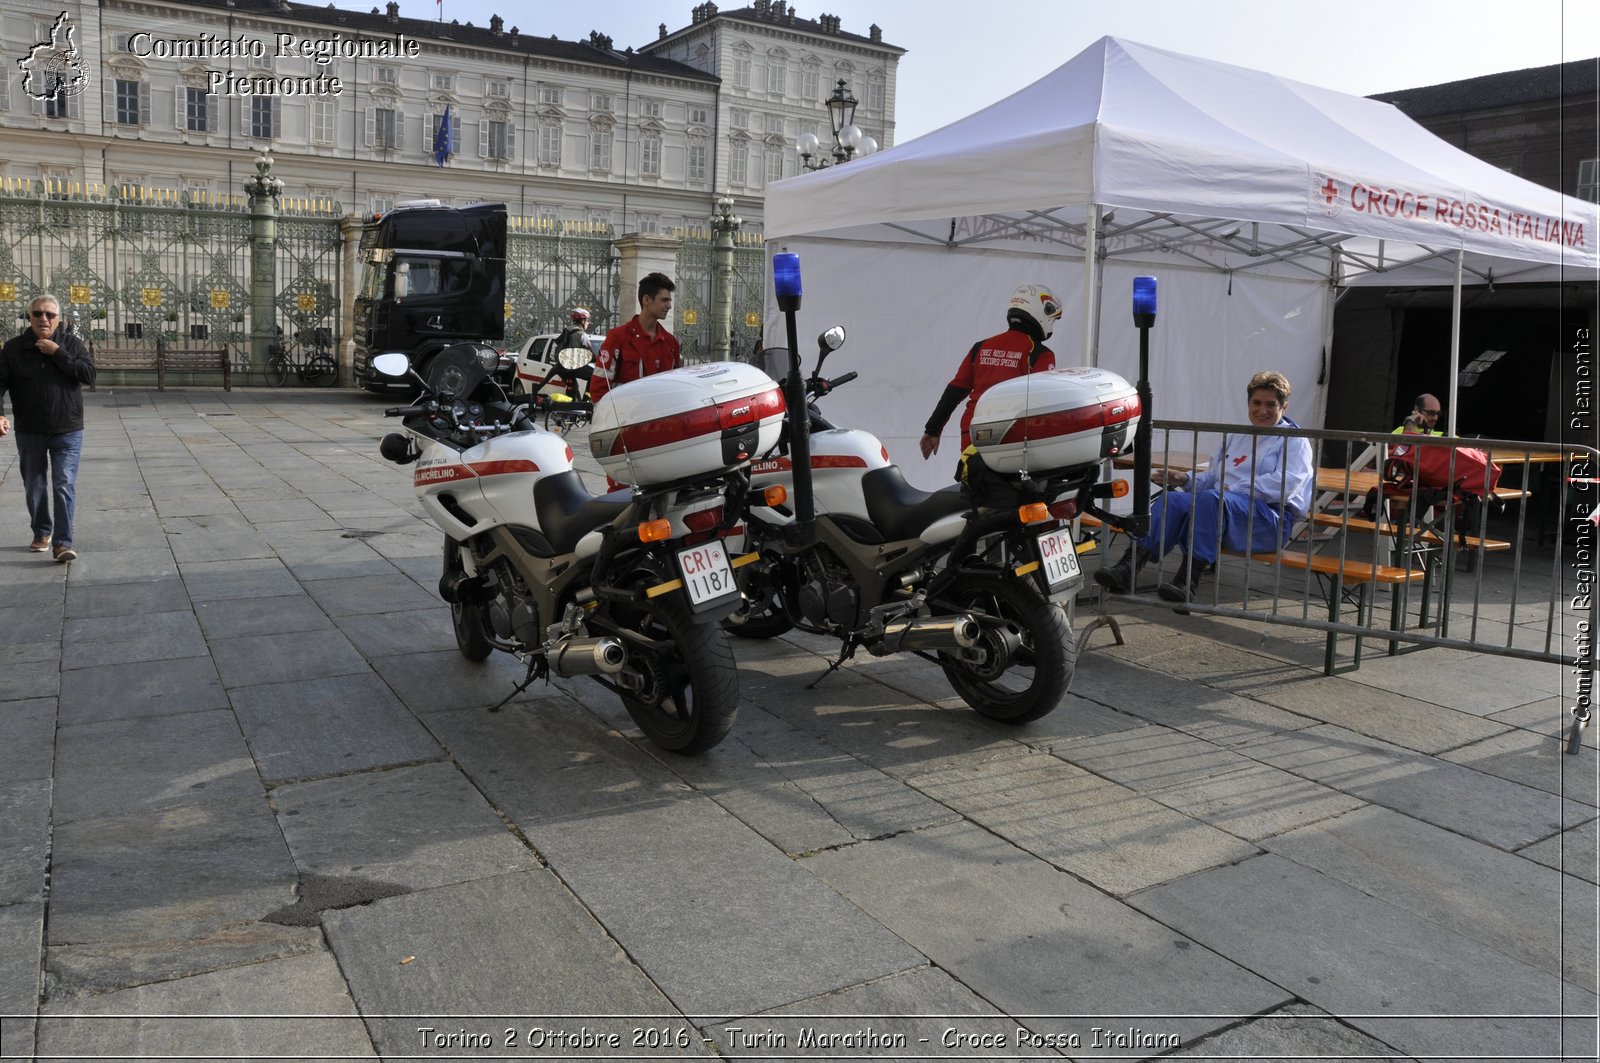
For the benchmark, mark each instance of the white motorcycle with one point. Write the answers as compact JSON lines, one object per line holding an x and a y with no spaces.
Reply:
{"x":970,"y":577}
{"x":627,"y":588}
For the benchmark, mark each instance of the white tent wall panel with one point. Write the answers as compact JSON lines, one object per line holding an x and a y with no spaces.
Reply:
{"x":911,"y":313}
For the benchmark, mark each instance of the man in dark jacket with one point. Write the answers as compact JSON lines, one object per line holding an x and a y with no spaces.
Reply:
{"x":44,"y":369}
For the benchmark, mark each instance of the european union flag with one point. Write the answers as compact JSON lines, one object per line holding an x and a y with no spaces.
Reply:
{"x":444,"y":139}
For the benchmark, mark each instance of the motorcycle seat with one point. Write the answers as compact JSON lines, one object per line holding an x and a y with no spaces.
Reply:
{"x":901,"y":511}
{"x":567,"y":511}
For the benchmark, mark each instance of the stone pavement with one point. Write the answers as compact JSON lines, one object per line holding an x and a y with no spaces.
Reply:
{"x":251,"y":805}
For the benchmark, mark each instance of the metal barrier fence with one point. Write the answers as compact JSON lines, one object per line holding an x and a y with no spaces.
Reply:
{"x":1512,"y":574}
{"x":134,"y":265}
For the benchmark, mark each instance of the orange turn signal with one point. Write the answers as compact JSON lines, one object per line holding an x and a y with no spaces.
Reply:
{"x":776,"y":495}
{"x":1033,"y":513}
{"x":655,"y":530}
{"x":1119,"y":488}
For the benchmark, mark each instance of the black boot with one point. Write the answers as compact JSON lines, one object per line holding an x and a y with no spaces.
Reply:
{"x":1118,"y":579}
{"x":1185,"y":581}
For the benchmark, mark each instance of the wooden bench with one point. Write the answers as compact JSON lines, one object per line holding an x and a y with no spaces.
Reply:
{"x":1471,"y":542}
{"x":162,"y":359}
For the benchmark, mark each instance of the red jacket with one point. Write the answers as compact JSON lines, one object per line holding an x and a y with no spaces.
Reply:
{"x":628,"y":354}
{"x":992,"y":360}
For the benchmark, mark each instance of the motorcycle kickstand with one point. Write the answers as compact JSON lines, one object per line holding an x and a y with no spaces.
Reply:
{"x":533,"y":673}
{"x":845,"y":654}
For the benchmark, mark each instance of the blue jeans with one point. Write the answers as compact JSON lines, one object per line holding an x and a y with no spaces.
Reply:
{"x":1219,"y":518}
{"x":49,"y":467}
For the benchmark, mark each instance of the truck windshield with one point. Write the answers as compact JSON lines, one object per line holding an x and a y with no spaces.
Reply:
{"x":434,"y":276}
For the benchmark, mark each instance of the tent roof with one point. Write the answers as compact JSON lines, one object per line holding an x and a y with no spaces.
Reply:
{"x":1228,"y":167}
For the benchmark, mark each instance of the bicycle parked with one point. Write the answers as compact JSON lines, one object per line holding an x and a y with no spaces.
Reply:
{"x":315,"y":366}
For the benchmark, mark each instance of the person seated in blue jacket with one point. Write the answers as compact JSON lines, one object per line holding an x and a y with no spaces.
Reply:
{"x":1247,"y":500}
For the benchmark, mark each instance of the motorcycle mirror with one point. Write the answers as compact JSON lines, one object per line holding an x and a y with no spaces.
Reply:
{"x":574,"y":357}
{"x":832,"y":339}
{"x":488,"y":359}
{"x":392,"y":363}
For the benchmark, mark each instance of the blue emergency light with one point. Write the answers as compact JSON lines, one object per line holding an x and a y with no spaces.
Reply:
{"x":786,"y":280}
{"x":1144,"y":302}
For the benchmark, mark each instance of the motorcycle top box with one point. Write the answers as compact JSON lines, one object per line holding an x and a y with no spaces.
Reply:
{"x":686,"y":423}
{"x":1056,"y":420}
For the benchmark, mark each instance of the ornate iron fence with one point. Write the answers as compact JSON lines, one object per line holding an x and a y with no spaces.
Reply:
{"x":130,"y":265}
{"x":692,"y":304}
{"x":554,"y":266}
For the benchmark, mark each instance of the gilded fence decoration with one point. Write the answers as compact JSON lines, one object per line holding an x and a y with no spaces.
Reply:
{"x":692,"y":302}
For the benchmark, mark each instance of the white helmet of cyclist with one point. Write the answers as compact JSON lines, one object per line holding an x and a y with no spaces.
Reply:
{"x":579,"y":316}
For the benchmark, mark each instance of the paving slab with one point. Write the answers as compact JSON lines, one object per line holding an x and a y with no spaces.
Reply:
{"x":112,"y":640}
{"x":1255,"y":802}
{"x":21,"y":937}
{"x":1505,"y":901}
{"x":787,"y":937}
{"x":1494,"y":810}
{"x":470,"y":955}
{"x":33,"y":633}
{"x":217,"y":536}
{"x":298,"y":1008}
{"x":417,"y":827}
{"x":279,"y":615}
{"x":551,"y":761}
{"x":1549,"y":716}
{"x":140,"y":688}
{"x":1102,"y":832}
{"x":209,"y":581}
{"x":126,"y":599}
{"x":1390,"y":717}
{"x":1146,"y":695}
{"x":1033,"y":941}
{"x":1575,"y":851}
{"x":1466,"y":688}
{"x":1377,"y":966}
{"x":1290,"y":1034}
{"x":27,"y":738}
{"x":365,"y":595}
{"x":251,"y":660}
{"x":918,"y":1012}
{"x":149,"y":764}
{"x":444,"y":681}
{"x":405,"y":631}
{"x":313,"y":727}
{"x":1536,"y":760}
{"x":802,"y":794}
{"x":24,"y":840}
{"x":1150,"y":758}
{"x":129,"y":565}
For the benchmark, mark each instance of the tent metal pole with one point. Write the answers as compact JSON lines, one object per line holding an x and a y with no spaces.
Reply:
{"x":1091,"y":283}
{"x":1455,"y":340}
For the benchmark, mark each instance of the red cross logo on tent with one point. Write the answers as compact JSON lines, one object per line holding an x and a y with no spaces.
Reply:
{"x":1329,"y":190}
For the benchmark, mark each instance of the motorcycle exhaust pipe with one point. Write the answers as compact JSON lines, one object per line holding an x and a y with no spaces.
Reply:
{"x":929,"y":633}
{"x":602,"y":656}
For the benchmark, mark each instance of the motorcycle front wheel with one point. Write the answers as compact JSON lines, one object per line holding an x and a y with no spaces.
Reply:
{"x":1028,"y":648}
{"x":691,"y":688}
{"x":468,"y":619}
{"x":764,"y":619}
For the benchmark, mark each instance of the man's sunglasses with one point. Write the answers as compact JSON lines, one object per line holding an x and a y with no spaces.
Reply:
{"x":44,"y":314}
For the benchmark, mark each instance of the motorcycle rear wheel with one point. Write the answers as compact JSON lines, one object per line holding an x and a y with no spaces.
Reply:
{"x":1037,"y":674}
{"x":695,"y":682}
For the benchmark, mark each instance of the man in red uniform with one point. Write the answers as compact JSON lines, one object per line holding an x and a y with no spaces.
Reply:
{"x":642,"y":346}
{"x":1031,"y":316}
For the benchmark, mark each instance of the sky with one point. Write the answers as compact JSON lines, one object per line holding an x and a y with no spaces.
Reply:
{"x":961,"y":58}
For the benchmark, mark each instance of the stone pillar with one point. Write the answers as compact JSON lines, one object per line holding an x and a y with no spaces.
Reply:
{"x":264,"y":190}
{"x":724,"y":224}
{"x":350,"y":270}
{"x":642,"y":254}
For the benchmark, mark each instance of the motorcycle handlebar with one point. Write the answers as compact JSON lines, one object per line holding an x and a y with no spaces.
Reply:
{"x":404,"y":411}
{"x":818,"y":387}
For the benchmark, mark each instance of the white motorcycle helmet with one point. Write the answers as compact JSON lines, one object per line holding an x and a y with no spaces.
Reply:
{"x":579,"y":316}
{"x":1039,"y":304}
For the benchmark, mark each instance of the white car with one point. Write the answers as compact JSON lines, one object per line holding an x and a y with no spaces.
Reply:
{"x":535,"y":359}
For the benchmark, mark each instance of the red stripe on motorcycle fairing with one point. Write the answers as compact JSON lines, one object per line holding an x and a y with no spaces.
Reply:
{"x":501,"y":468}
{"x":441,"y":474}
{"x":732,"y":413}
{"x":1094,"y":416}
{"x":818,"y":461}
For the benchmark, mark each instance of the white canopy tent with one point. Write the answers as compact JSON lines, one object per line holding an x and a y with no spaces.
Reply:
{"x":1249,"y":196}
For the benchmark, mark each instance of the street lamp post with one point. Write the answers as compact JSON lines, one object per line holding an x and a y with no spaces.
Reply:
{"x":848,"y":140}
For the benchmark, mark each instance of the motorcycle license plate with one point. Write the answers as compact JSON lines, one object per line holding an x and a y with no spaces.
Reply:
{"x":707,"y":576}
{"x":1059,"y":556}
